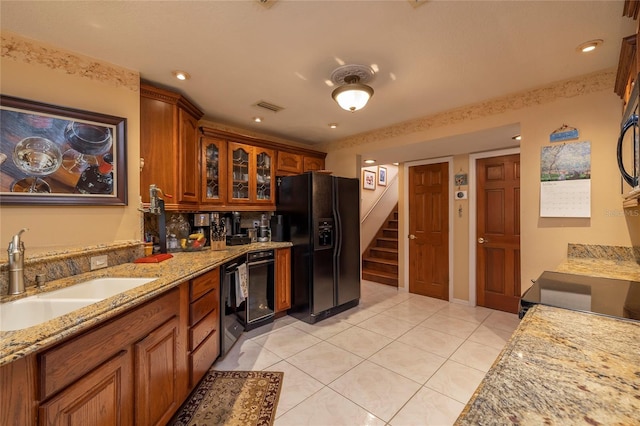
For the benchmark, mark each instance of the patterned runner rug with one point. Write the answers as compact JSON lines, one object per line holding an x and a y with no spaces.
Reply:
{"x":238,"y":398}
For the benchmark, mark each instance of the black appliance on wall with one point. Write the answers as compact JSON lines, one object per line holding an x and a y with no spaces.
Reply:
{"x":323,"y":212}
{"x":628,"y":149}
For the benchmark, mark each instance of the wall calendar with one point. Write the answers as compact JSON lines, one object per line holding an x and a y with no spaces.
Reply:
{"x":565,"y":180}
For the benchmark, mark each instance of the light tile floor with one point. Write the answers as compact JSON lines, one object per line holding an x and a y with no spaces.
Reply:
{"x":397,"y":359}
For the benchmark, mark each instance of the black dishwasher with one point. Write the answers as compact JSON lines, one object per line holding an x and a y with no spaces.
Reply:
{"x":248,"y":298}
{"x":260,"y":295}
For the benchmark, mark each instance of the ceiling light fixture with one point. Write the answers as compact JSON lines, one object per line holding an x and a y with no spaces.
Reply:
{"x":589,"y":46}
{"x":369,"y":161}
{"x":333,"y":126}
{"x":181,"y":75}
{"x":257,"y":119}
{"x":516,"y":137}
{"x":352,"y":94}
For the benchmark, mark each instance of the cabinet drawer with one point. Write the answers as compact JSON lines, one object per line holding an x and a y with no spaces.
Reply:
{"x":201,"y":307}
{"x":201,"y":330}
{"x":202,"y":358}
{"x":71,"y":360}
{"x":204,"y":283}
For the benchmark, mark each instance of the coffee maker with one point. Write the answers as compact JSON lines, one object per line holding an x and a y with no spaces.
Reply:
{"x":235,"y":236}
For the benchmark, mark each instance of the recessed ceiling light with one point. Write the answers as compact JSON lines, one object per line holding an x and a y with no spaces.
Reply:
{"x":589,"y":46}
{"x":181,"y":75}
{"x":369,"y":161}
{"x":333,"y":126}
{"x":516,"y":137}
{"x":257,"y":119}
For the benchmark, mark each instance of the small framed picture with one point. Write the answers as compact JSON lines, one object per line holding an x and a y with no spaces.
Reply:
{"x":368,"y":179}
{"x":382,"y":176}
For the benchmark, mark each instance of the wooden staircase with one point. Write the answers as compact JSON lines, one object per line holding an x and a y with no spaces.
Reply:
{"x":380,"y":259}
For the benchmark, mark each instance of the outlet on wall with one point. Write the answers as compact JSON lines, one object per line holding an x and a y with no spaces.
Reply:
{"x":256,"y":223}
{"x":98,"y":262}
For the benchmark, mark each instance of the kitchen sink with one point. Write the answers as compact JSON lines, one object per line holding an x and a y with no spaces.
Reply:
{"x":98,"y":288}
{"x":34,"y":310}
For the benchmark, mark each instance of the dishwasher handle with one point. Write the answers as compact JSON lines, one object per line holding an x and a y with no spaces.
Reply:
{"x":260,"y":262}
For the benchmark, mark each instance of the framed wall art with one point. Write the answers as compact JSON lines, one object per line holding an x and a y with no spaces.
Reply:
{"x":382,"y":176}
{"x":53,"y":155}
{"x":368,"y":179}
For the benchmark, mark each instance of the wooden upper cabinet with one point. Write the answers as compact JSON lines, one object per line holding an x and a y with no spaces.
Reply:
{"x":169,"y":146}
{"x":250,"y":174}
{"x":312,"y":163}
{"x":213,"y":170}
{"x":189,"y":164}
{"x":265,"y":175}
{"x":289,"y":162}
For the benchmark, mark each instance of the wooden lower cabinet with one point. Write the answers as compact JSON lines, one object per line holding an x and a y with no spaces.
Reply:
{"x":102,"y":397}
{"x":130,"y":370}
{"x":204,"y":324}
{"x":134,"y":369}
{"x":283,"y":279}
{"x":157,"y":361}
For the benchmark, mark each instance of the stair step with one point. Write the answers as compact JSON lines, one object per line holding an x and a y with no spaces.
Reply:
{"x":383,"y":253}
{"x":387,"y":242}
{"x":393,"y":224}
{"x":383,"y":265}
{"x":390,"y":233}
{"x":380,"y":277}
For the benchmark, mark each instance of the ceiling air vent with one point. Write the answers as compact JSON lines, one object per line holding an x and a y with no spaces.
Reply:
{"x":268,"y":106}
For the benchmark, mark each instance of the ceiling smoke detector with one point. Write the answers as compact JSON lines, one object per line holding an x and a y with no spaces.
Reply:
{"x":352,"y":94}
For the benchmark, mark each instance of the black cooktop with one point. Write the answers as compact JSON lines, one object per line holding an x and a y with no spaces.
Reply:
{"x":607,"y":296}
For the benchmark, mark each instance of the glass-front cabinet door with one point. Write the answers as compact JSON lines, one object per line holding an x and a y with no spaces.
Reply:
{"x":239,"y":164}
{"x":214,"y":164}
{"x":264,"y":174}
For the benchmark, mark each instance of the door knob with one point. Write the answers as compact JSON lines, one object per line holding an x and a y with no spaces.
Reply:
{"x":482,"y":240}
{"x":412,"y":237}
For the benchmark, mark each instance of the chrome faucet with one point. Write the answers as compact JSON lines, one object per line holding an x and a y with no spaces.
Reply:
{"x":156,"y":207}
{"x":16,"y":264}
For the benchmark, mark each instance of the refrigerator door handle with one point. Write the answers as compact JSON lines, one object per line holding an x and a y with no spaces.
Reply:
{"x":337,"y":248}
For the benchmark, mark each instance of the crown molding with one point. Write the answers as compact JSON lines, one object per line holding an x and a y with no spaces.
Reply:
{"x":577,"y":86}
{"x":28,"y":51}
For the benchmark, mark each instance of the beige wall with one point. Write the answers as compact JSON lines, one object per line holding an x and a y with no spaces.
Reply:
{"x":43,"y":73}
{"x":587,"y":103}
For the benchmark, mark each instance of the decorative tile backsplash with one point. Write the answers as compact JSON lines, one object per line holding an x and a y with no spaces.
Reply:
{"x":57,"y":264}
{"x":592,"y":251}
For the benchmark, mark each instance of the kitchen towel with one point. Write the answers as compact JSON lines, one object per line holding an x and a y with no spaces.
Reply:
{"x":241,"y":284}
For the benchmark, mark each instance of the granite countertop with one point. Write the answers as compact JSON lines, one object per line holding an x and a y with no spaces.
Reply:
{"x":170,"y":273}
{"x":562,"y":367}
{"x":617,"y":269}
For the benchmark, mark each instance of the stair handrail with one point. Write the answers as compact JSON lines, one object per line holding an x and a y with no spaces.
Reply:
{"x":373,"y":206}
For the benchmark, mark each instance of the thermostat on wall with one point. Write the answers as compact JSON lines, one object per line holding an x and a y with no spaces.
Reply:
{"x":461,"y":195}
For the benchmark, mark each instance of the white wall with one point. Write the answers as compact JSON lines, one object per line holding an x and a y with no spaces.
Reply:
{"x":376,"y":205}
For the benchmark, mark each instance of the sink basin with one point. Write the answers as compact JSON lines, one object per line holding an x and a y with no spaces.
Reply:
{"x":34,"y":310}
{"x":98,"y":288}
{"x":24,"y":313}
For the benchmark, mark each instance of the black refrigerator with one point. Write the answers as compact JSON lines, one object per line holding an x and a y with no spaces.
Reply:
{"x":323,"y":214}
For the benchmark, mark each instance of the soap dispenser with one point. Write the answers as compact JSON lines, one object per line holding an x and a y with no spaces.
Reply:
{"x":16,"y":264}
